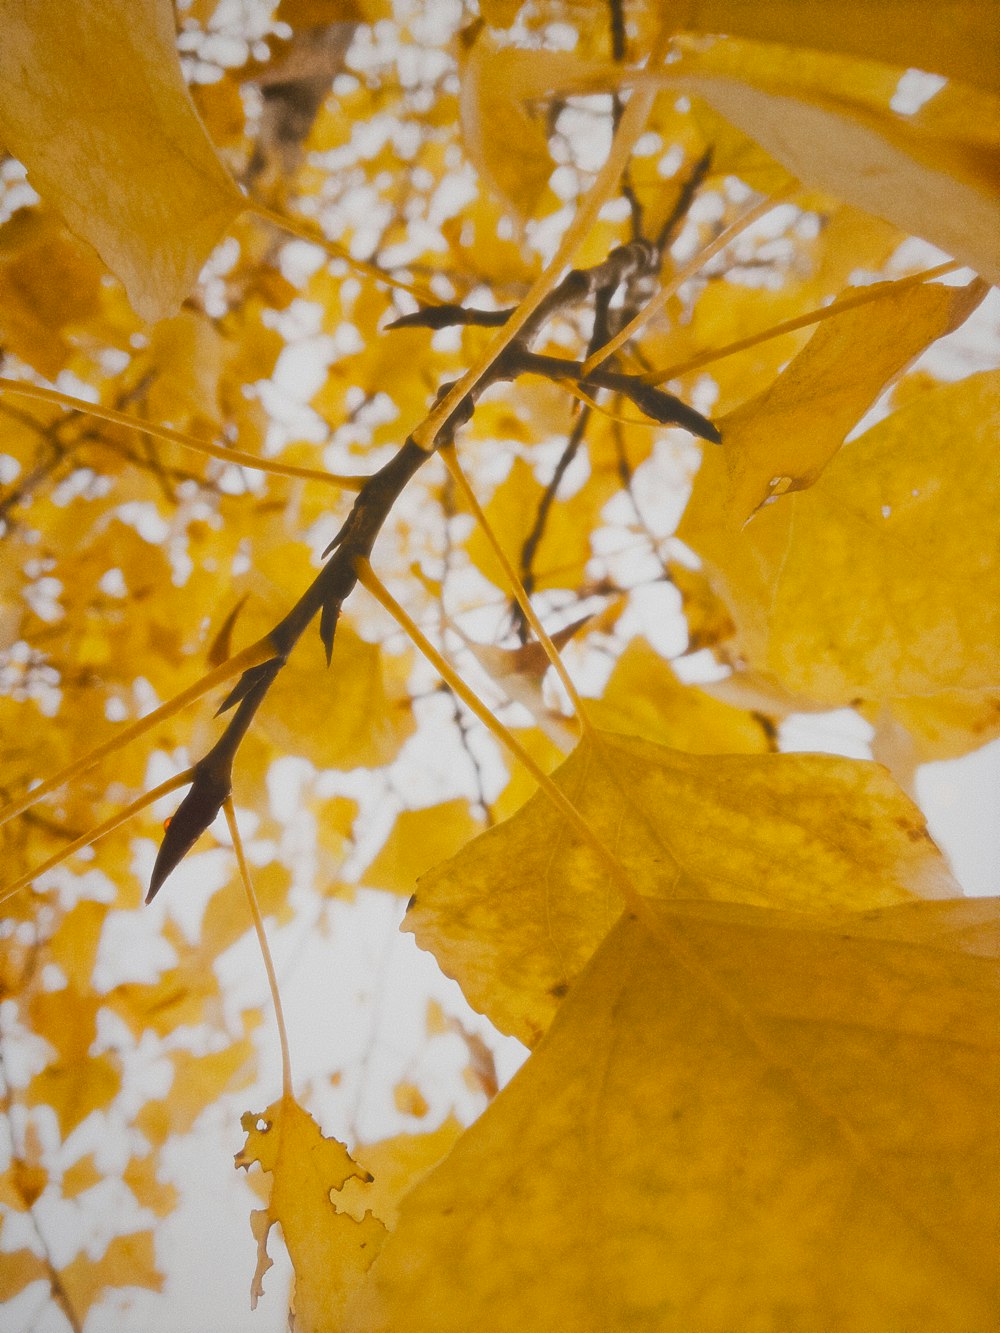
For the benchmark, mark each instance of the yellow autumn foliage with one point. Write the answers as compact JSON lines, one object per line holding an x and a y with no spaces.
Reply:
{"x":256,"y":264}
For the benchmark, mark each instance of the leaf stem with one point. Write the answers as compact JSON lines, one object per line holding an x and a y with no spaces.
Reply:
{"x":687,"y":270}
{"x":630,"y":129}
{"x":221,"y":451}
{"x":305,"y":231}
{"x":877,"y":292}
{"x":252,"y":656}
{"x":258,"y":925}
{"x":514,"y":584}
{"x":367,"y":576}
{"x":97,"y":832}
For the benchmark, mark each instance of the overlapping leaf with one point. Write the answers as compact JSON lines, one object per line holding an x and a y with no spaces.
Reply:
{"x":880,"y":581}
{"x":517,"y":914}
{"x":782,"y":439}
{"x":741,"y":1118}
{"x":98,"y":111}
{"x":942,"y":186}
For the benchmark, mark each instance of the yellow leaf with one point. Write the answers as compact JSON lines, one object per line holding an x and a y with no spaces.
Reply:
{"x":129,"y":1261}
{"x":880,"y":581}
{"x":151,"y":1192}
{"x":187,"y":354}
{"x":74,"y":1088}
{"x":81,"y":1176}
{"x":741,"y":1119}
{"x":97,"y":110}
{"x":18,"y":1269}
{"x":198,"y":1081}
{"x":354,"y":713}
{"x":21,"y":1184}
{"x":76,"y":1082}
{"x":781,"y":440}
{"x":709,"y":622}
{"x":495,"y":82}
{"x":75,"y":943}
{"x":396,"y":1165}
{"x":417,"y":841}
{"x":956,"y":38}
{"x":176,"y":999}
{"x":48,"y":281}
{"x":330,"y":1251}
{"x":941,"y":187}
{"x":409,"y":1100}
{"x":563,"y":550}
{"x":947,"y":725}
{"x":643,"y":697}
{"x":517,"y":913}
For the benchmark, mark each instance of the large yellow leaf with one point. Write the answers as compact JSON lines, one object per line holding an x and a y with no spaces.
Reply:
{"x":880,"y":581}
{"x":956,"y":38}
{"x":740,"y":1120}
{"x":329,"y":1249}
{"x":941,"y":185}
{"x":518,"y":912}
{"x":782,"y":439}
{"x":95,"y":106}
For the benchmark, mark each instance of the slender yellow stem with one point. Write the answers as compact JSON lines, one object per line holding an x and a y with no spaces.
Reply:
{"x":353,"y":483}
{"x":258,"y":925}
{"x":258,"y":652}
{"x":863,"y":297}
{"x":98,"y":831}
{"x":368,"y":577}
{"x":595,"y":406}
{"x":661,"y":298}
{"x":306,"y":231}
{"x":630,"y":129}
{"x":515,"y":585}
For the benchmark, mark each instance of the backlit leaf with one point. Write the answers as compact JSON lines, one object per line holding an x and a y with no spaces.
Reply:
{"x":781,"y":440}
{"x":742,"y":1119}
{"x":330,"y":1250}
{"x":517,"y":913}
{"x":879,"y":581}
{"x":98,"y":112}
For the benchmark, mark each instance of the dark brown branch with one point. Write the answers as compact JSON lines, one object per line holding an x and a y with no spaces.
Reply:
{"x":685,"y":199}
{"x":660,"y":406}
{"x":534,"y":537}
{"x":326,"y":594}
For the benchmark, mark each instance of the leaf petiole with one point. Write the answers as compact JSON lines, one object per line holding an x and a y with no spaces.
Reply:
{"x":221,"y":451}
{"x":97,"y":832}
{"x":367,"y":577}
{"x":258,"y":925}
{"x":250,"y":656}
